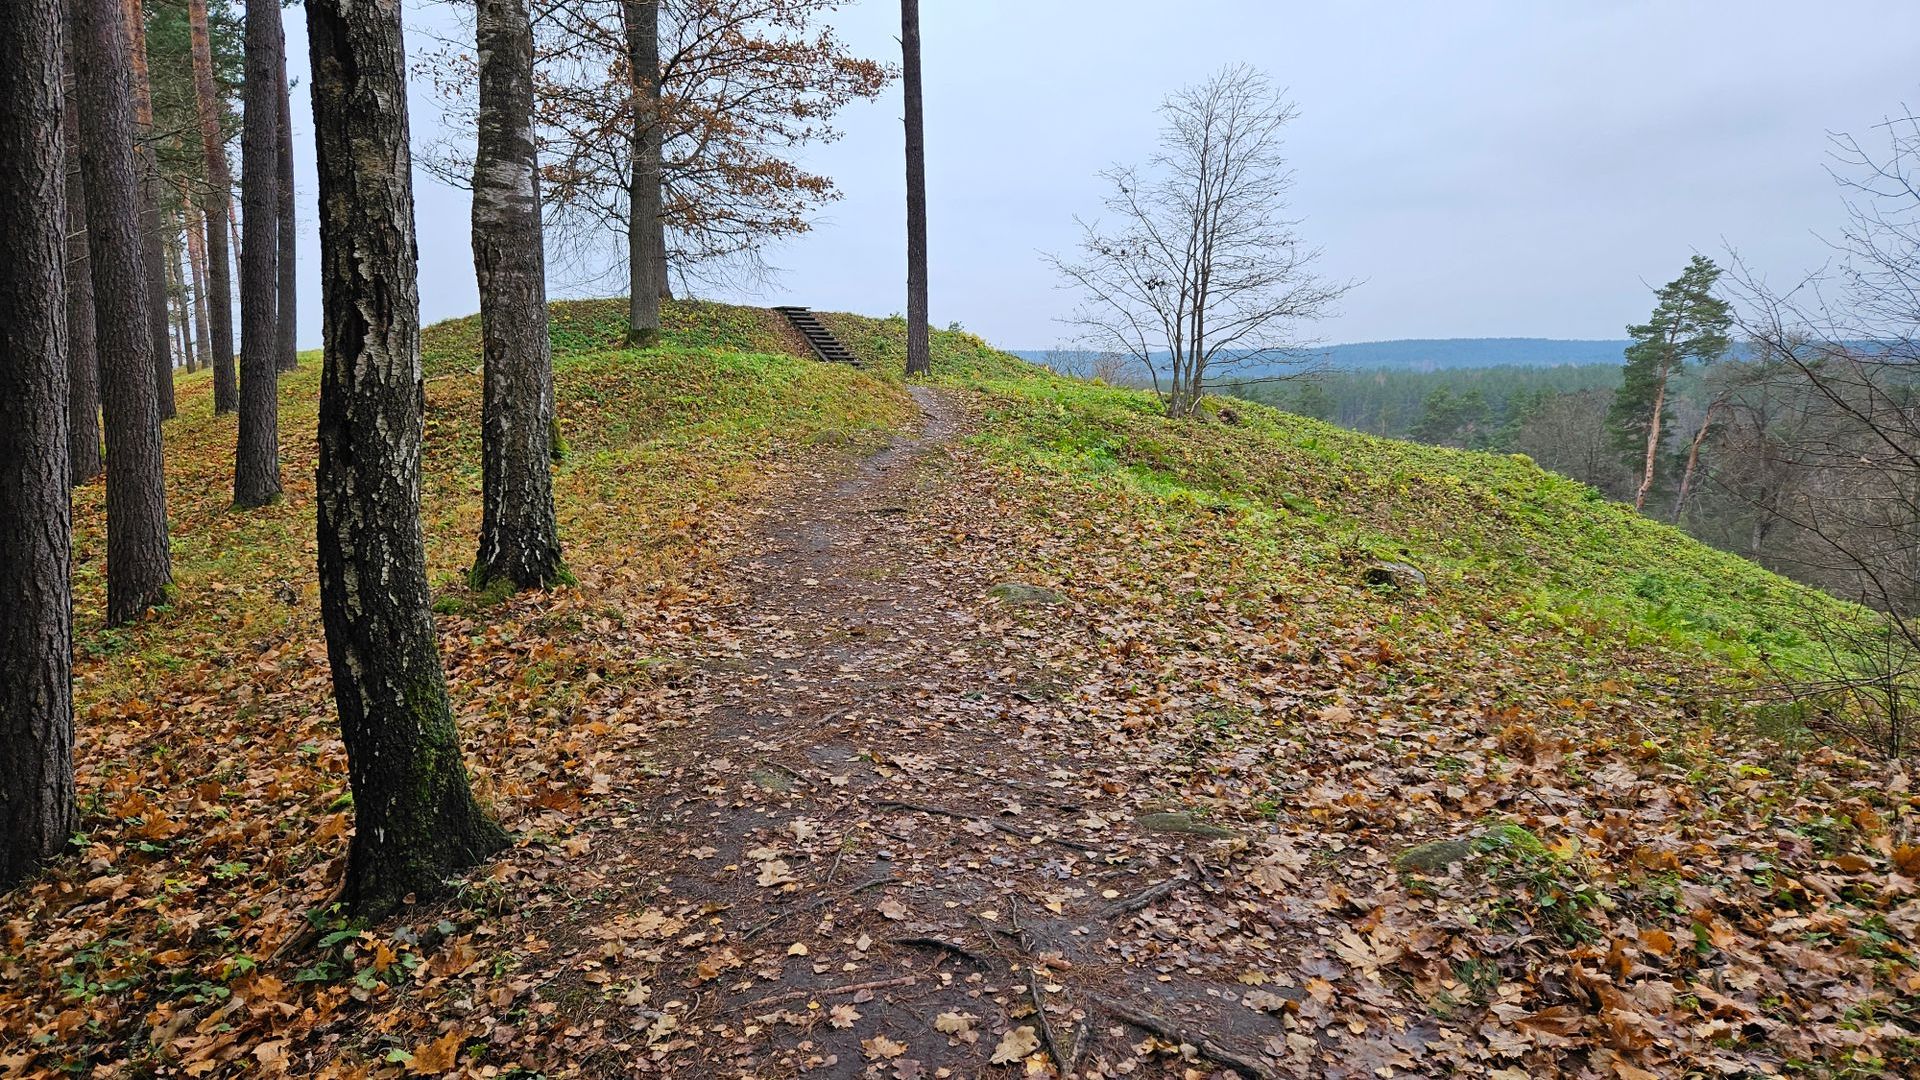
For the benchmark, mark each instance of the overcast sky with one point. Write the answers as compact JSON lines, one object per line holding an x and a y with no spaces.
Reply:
{"x":1484,"y":167}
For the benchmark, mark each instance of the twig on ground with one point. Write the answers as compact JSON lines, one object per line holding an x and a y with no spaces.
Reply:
{"x":964,"y":815}
{"x":832,"y":991}
{"x":1072,"y":1064}
{"x":1040,"y":1014}
{"x":791,"y":771}
{"x":938,"y":945}
{"x":1146,"y":897}
{"x":1155,"y":1025}
{"x":817,"y":903}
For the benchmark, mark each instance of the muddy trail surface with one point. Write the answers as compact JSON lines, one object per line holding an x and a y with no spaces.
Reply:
{"x":886,"y":845}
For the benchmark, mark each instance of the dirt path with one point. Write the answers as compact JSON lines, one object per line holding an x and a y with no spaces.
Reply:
{"x":886,"y":822}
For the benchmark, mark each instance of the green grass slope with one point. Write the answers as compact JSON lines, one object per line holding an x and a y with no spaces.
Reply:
{"x":1315,"y":502}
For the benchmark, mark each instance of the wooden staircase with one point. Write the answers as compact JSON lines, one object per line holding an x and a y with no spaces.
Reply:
{"x":819,"y":338}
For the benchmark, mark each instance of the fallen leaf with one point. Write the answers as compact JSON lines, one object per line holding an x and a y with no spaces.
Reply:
{"x":1015,"y":1045}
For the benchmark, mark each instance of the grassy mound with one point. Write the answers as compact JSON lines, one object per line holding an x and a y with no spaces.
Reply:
{"x":1315,"y":502}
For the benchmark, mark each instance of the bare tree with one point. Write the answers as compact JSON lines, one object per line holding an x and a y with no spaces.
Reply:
{"x":37,"y":809}
{"x":1848,"y":340}
{"x":742,"y":86}
{"x":1112,"y":368}
{"x":646,"y":229}
{"x":1201,"y":271}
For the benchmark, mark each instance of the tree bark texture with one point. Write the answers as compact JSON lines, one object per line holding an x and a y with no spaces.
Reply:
{"x":289,"y":225}
{"x":416,"y":821}
{"x":646,"y":230}
{"x":256,"y":461}
{"x":919,"y":358}
{"x":37,"y":809}
{"x":519,"y":538}
{"x":84,"y":462}
{"x":138,"y":563}
{"x":214,"y":206}
{"x":153,"y":232}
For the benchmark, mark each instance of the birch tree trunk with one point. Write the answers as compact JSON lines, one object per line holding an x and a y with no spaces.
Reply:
{"x":37,"y":809}
{"x":919,"y":359}
{"x":138,"y":563}
{"x":256,"y":464}
{"x":646,"y":233}
{"x":84,"y":462}
{"x":416,"y":821}
{"x":153,"y":222}
{"x":197,"y":263}
{"x":214,"y":208}
{"x":519,"y":539}
{"x":180,"y":305}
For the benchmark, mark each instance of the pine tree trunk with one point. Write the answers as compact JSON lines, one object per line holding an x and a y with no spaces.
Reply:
{"x":1653,"y":441}
{"x":83,"y":356}
{"x":213,"y":207}
{"x":153,"y":230}
{"x":289,"y":225}
{"x":919,"y":359}
{"x":416,"y":818}
{"x":197,"y":262}
{"x":519,"y":539}
{"x":256,"y":465}
{"x":646,"y":233}
{"x":138,"y":563}
{"x":37,"y":809}
{"x":1693,"y":460}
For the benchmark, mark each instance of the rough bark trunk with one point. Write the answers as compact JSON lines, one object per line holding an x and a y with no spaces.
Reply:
{"x":646,"y":233}
{"x":256,"y":461}
{"x":416,"y":818}
{"x":197,"y":262}
{"x":83,"y":357}
{"x":153,"y":232}
{"x":919,"y":359}
{"x":213,"y":207}
{"x":37,"y":809}
{"x":519,"y":538}
{"x":138,"y":563}
{"x":289,"y":226}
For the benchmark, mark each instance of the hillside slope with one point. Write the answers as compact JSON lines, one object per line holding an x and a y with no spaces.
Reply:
{"x":982,"y":729}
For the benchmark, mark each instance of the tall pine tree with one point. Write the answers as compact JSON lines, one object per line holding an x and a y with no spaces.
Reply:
{"x":139,"y":562}
{"x":37,"y":810}
{"x":1688,"y":324}
{"x":256,"y":473}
